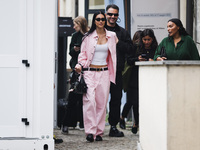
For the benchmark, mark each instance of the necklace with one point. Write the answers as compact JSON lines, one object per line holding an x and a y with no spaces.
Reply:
{"x":102,"y":39}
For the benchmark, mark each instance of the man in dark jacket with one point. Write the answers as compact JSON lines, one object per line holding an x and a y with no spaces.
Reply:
{"x":124,"y":46}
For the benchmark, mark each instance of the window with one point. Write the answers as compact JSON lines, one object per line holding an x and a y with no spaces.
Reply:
{"x":93,"y":6}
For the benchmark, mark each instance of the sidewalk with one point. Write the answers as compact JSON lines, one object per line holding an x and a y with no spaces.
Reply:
{"x":75,"y":140}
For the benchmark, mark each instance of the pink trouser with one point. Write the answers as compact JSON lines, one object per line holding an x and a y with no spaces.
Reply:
{"x":95,"y":101}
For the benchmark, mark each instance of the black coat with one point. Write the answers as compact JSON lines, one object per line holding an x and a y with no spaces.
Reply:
{"x":132,"y":58}
{"x":124,"y":46}
{"x":76,"y":39}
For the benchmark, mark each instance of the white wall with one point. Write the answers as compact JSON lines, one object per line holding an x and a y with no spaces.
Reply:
{"x":153,"y":14}
{"x":153,"y":107}
{"x":81,"y":8}
{"x":197,"y":28}
{"x":169,"y":105}
{"x":183,"y":12}
{"x":67,"y":8}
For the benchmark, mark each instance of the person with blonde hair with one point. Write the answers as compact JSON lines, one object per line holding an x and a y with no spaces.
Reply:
{"x":81,"y":27}
{"x":74,"y":110}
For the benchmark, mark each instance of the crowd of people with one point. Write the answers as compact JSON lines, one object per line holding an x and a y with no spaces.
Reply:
{"x":106,"y":54}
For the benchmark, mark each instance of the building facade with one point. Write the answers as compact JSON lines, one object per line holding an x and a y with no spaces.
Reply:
{"x":73,"y":8}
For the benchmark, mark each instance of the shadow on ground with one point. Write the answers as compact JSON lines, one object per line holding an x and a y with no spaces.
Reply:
{"x":75,"y":140}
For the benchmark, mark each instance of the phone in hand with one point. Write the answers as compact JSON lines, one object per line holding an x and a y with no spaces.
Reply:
{"x":77,"y":45}
{"x":144,"y":56}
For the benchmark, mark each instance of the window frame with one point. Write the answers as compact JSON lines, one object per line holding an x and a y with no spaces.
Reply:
{"x":90,"y":11}
{"x":127,"y":13}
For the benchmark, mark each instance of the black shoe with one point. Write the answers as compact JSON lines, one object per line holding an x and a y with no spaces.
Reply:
{"x":114,"y":132}
{"x":57,"y":141}
{"x":122,"y":124}
{"x":98,"y":138}
{"x":64,"y":130}
{"x":134,"y":130}
{"x":90,"y":138}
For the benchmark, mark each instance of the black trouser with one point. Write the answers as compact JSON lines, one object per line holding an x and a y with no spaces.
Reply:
{"x":132,"y":100}
{"x":115,"y":101}
{"x":74,"y":110}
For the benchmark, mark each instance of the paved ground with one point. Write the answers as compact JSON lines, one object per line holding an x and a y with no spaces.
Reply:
{"x":75,"y":140}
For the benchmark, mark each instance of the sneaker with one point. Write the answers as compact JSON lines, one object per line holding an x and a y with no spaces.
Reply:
{"x":64,"y":130}
{"x":122,"y":124}
{"x":114,"y":132}
{"x":81,"y":127}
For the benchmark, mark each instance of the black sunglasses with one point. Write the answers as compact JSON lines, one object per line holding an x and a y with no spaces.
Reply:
{"x":98,"y":19}
{"x":110,"y":14}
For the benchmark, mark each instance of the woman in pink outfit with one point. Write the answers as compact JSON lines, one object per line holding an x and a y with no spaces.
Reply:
{"x":98,"y":61}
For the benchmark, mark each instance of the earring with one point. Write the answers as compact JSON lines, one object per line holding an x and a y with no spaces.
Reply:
{"x":118,"y":20}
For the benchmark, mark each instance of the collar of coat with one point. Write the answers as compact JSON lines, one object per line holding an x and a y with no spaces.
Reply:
{"x":95,"y":35}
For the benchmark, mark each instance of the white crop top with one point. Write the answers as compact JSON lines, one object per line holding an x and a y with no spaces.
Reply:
{"x":100,"y":55}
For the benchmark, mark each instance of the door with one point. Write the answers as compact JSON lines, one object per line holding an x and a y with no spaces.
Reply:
{"x":13,"y":73}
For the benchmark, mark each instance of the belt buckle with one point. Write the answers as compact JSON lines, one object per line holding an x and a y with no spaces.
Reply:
{"x":98,"y":69}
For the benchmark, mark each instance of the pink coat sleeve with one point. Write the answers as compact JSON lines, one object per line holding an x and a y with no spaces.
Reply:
{"x":82,"y":58}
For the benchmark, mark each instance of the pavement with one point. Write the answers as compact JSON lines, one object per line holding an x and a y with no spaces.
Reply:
{"x":75,"y":140}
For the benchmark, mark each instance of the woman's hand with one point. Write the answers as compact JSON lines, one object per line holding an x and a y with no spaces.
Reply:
{"x":151,"y":59}
{"x":78,"y":68}
{"x":76,"y":48}
{"x":161,"y":58}
{"x":140,"y":58}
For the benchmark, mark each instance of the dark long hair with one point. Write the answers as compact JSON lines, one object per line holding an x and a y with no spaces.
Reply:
{"x":148,"y":32}
{"x":93,"y":27}
{"x":178,"y":22}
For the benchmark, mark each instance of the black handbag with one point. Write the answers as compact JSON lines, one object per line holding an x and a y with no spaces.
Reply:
{"x":81,"y":86}
{"x":78,"y":86}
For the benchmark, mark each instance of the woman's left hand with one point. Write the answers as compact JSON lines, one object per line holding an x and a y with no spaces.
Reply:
{"x":151,"y":59}
{"x":161,"y":58}
{"x":76,"y":48}
{"x":140,"y":58}
{"x":78,"y":68}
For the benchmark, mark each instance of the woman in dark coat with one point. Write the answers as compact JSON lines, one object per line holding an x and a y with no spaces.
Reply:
{"x":74,"y":110}
{"x":145,"y":52}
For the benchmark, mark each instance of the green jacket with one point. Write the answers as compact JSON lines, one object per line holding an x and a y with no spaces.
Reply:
{"x":76,"y":39}
{"x":185,"y":49}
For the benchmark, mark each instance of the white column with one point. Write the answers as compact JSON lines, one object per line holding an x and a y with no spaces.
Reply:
{"x":183,"y":11}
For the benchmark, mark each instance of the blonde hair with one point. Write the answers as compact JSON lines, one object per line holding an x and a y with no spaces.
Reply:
{"x":80,"y":20}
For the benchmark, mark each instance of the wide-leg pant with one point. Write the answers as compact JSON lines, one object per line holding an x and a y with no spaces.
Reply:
{"x":95,"y":100}
{"x":132,"y":101}
{"x":115,"y":100}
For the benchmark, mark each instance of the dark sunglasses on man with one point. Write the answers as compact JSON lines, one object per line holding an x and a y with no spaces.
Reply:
{"x":98,"y":19}
{"x":111,"y":14}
